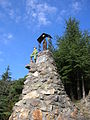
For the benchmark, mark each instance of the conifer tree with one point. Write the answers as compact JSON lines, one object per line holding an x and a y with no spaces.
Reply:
{"x":5,"y":83}
{"x":72,"y":58}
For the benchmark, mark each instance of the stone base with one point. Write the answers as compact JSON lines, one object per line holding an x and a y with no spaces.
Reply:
{"x":43,"y":96}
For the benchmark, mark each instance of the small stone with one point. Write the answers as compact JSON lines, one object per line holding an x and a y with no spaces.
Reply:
{"x":43,"y":106}
{"x":50,"y":108}
{"x":41,"y":97}
{"x":32,"y":69}
{"x":43,"y":80}
{"x":56,"y":99}
{"x":50,"y":69}
{"x":26,"y":81}
{"x":17,"y":109}
{"x":24,"y":114}
{"x":50,"y":81}
{"x":37,"y":114}
{"x":35,"y":102}
{"x":61,"y":117}
{"x":50,"y":97}
{"x":56,"y":111}
{"x":50,"y":117}
{"x":35,"y":86}
{"x":20,"y":103}
{"x":43,"y":73}
{"x":36,"y":74}
{"x":48,"y":92}
{"x":24,"y":101}
{"x":48,"y":102}
{"x":74,"y":113}
{"x":11,"y":117}
{"x":30,"y":95}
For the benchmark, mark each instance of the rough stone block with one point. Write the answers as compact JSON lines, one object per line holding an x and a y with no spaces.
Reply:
{"x":37,"y":114}
{"x":48,"y":92}
{"x":35,"y":74}
{"x":24,"y":114}
{"x":32,"y":94}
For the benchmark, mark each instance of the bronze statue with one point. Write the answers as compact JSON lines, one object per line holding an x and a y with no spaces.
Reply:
{"x":44,"y":44}
{"x":42,"y":38}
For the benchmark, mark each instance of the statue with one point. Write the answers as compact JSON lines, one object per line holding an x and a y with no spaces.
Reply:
{"x":42,"y":38}
{"x":34,"y":54}
{"x":44,"y":44}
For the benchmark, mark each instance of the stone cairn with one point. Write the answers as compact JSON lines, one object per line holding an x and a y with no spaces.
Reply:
{"x":43,"y":96}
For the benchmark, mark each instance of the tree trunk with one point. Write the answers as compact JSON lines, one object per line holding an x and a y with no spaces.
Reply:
{"x":71,"y":93}
{"x":83,"y":88}
{"x":78,"y":88}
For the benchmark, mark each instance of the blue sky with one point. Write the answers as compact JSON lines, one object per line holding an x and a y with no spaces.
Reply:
{"x":23,"y":21}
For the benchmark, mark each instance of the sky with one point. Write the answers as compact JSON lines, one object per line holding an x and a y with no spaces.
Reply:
{"x":23,"y":21}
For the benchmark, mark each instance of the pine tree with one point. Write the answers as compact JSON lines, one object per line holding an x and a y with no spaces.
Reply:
{"x":9,"y":93}
{"x":72,"y":57}
{"x":7,"y":75}
{"x":5,"y":83}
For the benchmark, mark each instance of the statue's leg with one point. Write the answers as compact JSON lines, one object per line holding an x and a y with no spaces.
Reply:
{"x":31,"y":58}
{"x":35,"y":58}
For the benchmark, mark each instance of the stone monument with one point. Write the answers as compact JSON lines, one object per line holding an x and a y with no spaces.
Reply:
{"x":43,"y":95}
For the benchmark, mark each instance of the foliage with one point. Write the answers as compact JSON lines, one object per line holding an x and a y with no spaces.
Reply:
{"x":9,"y":93}
{"x":72,"y":58}
{"x":7,"y":75}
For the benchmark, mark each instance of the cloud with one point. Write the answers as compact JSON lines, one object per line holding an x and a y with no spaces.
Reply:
{"x":72,"y":9}
{"x":34,"y":11}
{"x":9,"y":36}
{"x":9,"y":11}
{"x":40,"y":12}
{"x":5,"y":38}
{"x":76,"y":6}
{"x":42,"y":20}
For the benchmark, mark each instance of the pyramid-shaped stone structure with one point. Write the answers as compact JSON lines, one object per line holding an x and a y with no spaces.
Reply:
{"x":43,"y":96}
